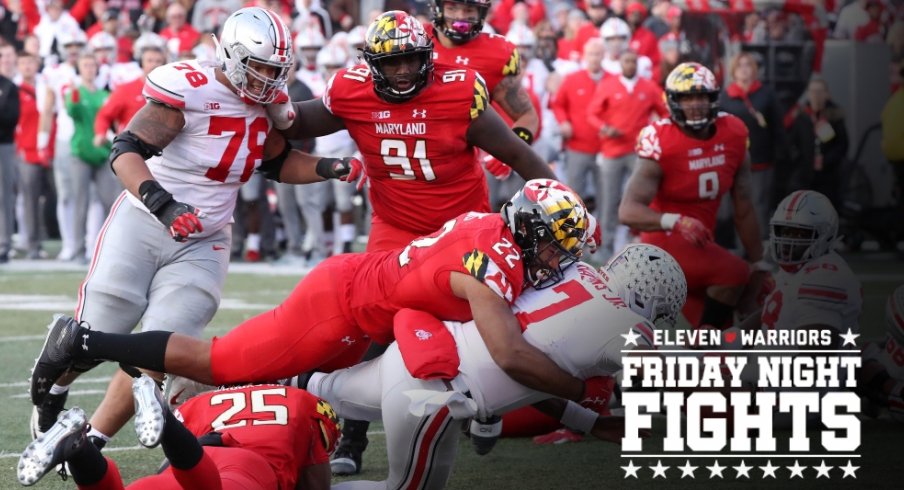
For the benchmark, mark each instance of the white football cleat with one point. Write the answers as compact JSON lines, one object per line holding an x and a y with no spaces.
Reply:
{"x":53,"y":447}
{"x":150,"y":411}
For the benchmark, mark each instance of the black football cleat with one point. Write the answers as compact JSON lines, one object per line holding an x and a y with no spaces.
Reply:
{"x":43,"y":416}
{"x":56,"y":356}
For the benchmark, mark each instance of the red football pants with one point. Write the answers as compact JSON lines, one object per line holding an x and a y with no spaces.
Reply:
{"x":309,"y":330}
{"x":709,"y":265}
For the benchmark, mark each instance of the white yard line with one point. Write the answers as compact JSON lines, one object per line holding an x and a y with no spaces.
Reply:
{"x":24,"y":384}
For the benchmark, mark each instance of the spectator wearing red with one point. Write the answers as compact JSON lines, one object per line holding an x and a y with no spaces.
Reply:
{"x":35,"y":174}
{"x":569,"y":105}
{"x":873,"y":31}
{"x":643,"y":41}
{"x":179,"y":35}
{"x":503,"y":14}
{"x":126,"y":99}
{"x":620,"y":108}
{"x":597,"y":12}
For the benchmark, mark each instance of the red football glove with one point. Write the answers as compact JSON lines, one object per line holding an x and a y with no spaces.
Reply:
{"x":693,"y":231}
{"x":185,"y":223}
{"x":281,"y":111}
{"x":356,"y":173}
{"x":499,"y":170}
{"x":597,"y":391}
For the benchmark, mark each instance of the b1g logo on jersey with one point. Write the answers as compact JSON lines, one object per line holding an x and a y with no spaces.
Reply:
{"x":380,"y":115}
{"x":211,"y":106}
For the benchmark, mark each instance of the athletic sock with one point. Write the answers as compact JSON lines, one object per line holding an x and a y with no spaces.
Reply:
{"x":145,"y":350}
{"x":180,"y":446}
{"x":87,"y":465}
{"x":58,"y":390}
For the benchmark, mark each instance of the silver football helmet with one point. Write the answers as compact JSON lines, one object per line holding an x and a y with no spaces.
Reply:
{"x":257,"y":35}
{"x":650,"y":282}
{"x":894,"y":315}
{"x":803,"y":227}
{"x":331,"y":57}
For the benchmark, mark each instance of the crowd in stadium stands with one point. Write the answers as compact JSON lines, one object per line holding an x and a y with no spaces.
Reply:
{"x":71,"y":74}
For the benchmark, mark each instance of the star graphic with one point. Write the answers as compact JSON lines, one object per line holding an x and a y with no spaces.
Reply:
{"x":743,"y":469}
{"x":822,"y":469}
{"x":849,"y":337}
{"x":715,"y":469}
{"x":796,"y":470}
{"x":687,"y":469}
{"x":849,"y":469}
{"x":659,"y":470}
{"x":769,"y":470}
{"x":631,"y":470}
{"x":630,"y":337}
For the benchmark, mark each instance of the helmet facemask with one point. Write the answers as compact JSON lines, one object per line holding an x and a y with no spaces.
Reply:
{"x":803,"y":227}
{"x":241,"y":74}
{"x":794,"y":243}
{"x":460,"y":31}
{"x":546,"y":260}
{"x":680,"y":117}
{"x":394,"y":37}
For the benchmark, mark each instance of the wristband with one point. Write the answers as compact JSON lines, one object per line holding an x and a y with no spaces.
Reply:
{"x":578,"y":418}
{"x":153,"y":196}
{"x":326,"y":168}
{"x":762,"y":265}
{"x":667,"y":220}
{"x":524,"y":134}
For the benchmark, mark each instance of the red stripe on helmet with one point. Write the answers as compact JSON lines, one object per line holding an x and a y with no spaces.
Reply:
{"x":280,"y":31}
{"x":793,"y":204}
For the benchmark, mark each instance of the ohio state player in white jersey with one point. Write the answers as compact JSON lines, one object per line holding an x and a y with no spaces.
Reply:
{"x":579,"y":324}
{"x":159,"y":260}
{"x":814,"y":287}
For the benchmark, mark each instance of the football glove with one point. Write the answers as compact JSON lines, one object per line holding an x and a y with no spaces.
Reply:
{"x":281,"y":111}
{"x":597,"y":391}
{"x":693,"y":231}
{"x":594,"y":234}
{"x":180,"y":219}
{"x":499,"y":170}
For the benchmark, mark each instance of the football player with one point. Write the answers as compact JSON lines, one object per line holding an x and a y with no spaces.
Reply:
{"x":252,"y":437}
{"x":881,"y":380}
{"x":457,"y":32}
{"x":685,"y":164}
{"x":580,"y":324}
{"x":190,"y":148}
{"x":473,"y":267}
{"x":416,"y":127}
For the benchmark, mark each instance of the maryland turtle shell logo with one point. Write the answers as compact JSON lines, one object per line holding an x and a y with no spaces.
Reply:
{"x":691,"y":77}
{"x":567,"y":214}
{"x":395,"y":32}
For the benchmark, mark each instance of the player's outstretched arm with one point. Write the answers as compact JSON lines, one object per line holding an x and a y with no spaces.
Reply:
{"x":744,"y":214}
{"x":312,"y":120}
{"x":490,"y":133}
{"x":501,"y":333}
{"x":156,"y":125}
{"x":634,"y":210}
{"x":512,"y":97}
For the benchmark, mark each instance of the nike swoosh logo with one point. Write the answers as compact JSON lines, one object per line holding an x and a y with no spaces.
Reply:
{"x":174,"y":400}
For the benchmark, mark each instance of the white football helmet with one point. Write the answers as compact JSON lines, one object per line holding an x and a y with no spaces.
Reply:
{"x":616,"y":34}
{"x":331,"y":56}
{"x":650,"y":282}
{"x":803,"y":227}
{"x":103,"y":45}
{"x":356,"y":36}
{"x":258,"y":35}
{"x":894,"y":315}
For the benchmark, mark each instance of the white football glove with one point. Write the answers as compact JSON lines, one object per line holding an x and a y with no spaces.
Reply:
{"x":281,"y":111}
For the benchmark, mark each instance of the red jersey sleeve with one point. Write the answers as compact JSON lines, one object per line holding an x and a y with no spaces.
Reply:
{"x":490,"y":55}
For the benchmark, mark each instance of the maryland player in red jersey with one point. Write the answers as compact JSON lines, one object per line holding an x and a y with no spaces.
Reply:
{"x":473,"y":267}
{"x":246,"y":437}
{"x":457,"y":33}
{"x":686,"y":164}
{"x":417,"y":129}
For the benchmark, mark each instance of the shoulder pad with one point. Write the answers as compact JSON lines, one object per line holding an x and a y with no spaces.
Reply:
{"x":171,"y":84}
